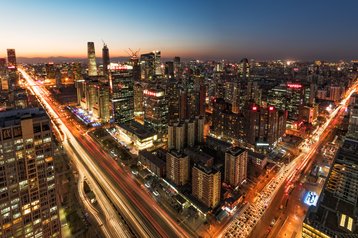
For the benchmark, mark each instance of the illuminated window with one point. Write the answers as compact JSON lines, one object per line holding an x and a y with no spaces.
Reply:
{"x":343,"y":220}
{"x":350,"y":224}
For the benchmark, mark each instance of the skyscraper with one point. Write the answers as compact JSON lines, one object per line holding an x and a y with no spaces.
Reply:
{"x":92,"y":66}
{"x":106,"y":60}
{"x":11,"y":59}
{"x":28,"y":201}
{"x":122,"y":95}
{"x":155,"y":110}
{"x":150,"y":65}
{"x":2,"y":65}
{"x":235,"y":166}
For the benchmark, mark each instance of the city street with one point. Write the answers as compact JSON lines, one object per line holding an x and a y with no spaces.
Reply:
{"x":145,"y":216}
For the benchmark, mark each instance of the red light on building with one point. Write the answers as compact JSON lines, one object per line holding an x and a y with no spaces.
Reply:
{"x":149,"y":93}
{"x":254,"y":108}
{"x":294,"y":85}
{"x":271,"y":108}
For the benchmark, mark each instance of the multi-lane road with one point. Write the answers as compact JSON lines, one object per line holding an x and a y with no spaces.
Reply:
{"x":245,"y":223}
{"x":113,"y":184}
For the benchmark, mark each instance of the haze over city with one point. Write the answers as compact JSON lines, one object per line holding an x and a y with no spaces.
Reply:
{"x":300,"y":30}
{"x":178,"y":119}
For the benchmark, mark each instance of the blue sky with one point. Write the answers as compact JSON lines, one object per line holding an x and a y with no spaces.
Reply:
{"x":262,"y":29}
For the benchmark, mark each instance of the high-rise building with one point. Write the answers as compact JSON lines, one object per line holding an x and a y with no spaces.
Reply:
{"x":150,"y":65}
{"x":263,"y":127}
{"x":206,"y":185}
{"x":155,"y":110}
{"x":186,"y":133}
{"x":92,"y":65}
{"x":244,"y":69}
{"x":289,"y":97}
{"x":122,"y":95}
{"x":169,"y":69}
{"x":105,"y":58}
{"x":2,"y":65}
{"x":353,"y":122}
{"x":138,"y":99}
{"x":177,"y":67}
{"x":50,"y":70}
{"x":102,"y":107}
{"x":95,"y":98}
{"x":226,"y":123}
{"x":335,"y":214}
{"x":28,"y":200}
{"x":177,"y":167}
{"x":236,"y":160}
{"x":172,"y":92}
{"x":11,"y":59}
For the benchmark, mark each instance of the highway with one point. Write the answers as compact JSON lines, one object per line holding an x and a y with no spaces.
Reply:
{"x":112,"y":226}
{"x":244,"y":224}
{"x":112,"y":183}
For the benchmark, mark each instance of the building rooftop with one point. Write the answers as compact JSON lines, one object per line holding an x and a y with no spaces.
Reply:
{"x":138,"y":129}
{"x":152,"y":157}
{"x":13,"y":117}
{"x":197,"y":155}
{"x":235,"y":151}
{"x":340,"y":195}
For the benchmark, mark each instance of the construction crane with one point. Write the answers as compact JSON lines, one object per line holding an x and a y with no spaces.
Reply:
{"x":133,"y":54}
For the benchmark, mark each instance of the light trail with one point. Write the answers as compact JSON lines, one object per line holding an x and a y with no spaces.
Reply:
{"x":95,"y":172}
{"x":286,"y":174}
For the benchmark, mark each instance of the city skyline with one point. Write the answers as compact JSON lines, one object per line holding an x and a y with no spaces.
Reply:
{"x":200,"y":30}
{"x":197,"y":119}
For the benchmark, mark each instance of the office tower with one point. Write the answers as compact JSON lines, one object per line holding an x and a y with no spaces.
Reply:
{"x":177,"y":166}
{"x":106,"y":60}
{"x":122,"y":95}
{"x":155,"y":110}
{"x":28,"y":201}
{"x":90,"y":95}
{"x":2,"y":65}
{"x":335,"y":215}
{"x":172,"y":92}
{"x":177,"y":67}
{"x":138,"y":100}
{"x":289,"y":97}
{"x":80,"y":91}
{"x":206,"y":185}
{"x":150,"y":65}
{"x":11,"y":59}
{"x":244,"y":69}
{"x":92,"y":65}
{"x":235,"y":166}
{"x":103,"y":103}
{"x":169,"y":69}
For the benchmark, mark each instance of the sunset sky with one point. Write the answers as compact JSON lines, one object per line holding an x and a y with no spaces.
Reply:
{"x":265,"y":29}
